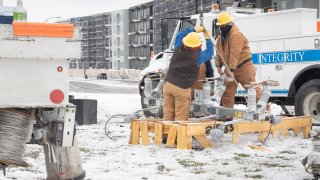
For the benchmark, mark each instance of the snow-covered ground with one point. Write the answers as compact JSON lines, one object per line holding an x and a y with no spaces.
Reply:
{"x":106,"y":159}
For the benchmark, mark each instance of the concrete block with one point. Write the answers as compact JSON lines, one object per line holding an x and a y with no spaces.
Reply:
{"x":86,"y":111}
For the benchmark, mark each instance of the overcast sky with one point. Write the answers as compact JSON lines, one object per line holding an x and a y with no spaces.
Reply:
{"x":40,"y":10}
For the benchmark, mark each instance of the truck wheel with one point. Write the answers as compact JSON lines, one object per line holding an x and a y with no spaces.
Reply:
{"x":152,"y":113}
{"x":307,"y":100}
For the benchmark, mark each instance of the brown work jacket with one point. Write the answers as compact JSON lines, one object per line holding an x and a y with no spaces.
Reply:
{"x":235,"y":49}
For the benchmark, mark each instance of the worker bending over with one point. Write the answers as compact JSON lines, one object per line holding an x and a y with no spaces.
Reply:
{"x":183,"y":72}
{"x":233,"y":47}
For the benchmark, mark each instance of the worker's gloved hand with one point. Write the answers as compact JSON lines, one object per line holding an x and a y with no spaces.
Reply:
{"x":206,"y":33}
{"x":198,"y":28}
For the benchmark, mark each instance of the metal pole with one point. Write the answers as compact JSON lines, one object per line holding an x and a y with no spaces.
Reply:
{"x":197,"y":6}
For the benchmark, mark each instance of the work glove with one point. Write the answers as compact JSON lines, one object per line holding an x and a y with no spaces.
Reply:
{"x":198,"y":28}
{"x":206,"y":33}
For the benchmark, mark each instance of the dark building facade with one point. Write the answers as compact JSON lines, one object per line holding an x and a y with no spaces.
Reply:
{"x":173,"y":9}
{"x":140,"y":35}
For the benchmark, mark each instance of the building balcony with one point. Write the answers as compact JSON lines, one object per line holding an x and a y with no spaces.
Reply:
{"x":136,"y":20}
{"x":132,"y":57}
{"x":142,"y":32}
{"x":133,"y":33}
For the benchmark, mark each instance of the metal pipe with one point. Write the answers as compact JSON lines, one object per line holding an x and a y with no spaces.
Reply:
{"x":146,"y":109}
{"x":205,"y":118}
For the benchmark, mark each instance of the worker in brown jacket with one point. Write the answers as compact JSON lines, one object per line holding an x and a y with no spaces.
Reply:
{"x":234,"y":52}
{"x":183,"y":72}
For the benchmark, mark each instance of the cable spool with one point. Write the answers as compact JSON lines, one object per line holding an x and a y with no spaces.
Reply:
{"x":14,"y":131}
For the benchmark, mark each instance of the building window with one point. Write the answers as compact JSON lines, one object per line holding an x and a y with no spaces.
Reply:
{"x":118,"y":53}
{"x":118,"y":18}
{"x":118,"y":41}
{"x":118,"y":30}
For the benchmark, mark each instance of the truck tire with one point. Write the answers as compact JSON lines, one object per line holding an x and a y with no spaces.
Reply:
{"x":307,"y":100}
{"x":151,"y":113}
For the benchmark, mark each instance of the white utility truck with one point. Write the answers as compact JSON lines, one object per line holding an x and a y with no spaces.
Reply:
{"x":285,"y":47}
{"x":34,"y":72}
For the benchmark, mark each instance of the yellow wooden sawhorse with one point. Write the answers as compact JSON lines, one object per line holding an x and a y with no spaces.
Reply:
{"x":176,"y":132}
{"x":299,"y":123}
{"x":180,"y":133}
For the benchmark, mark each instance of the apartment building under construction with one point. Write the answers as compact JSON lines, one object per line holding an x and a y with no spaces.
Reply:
{"x":104,"y":40}
{"x":140,"y":35}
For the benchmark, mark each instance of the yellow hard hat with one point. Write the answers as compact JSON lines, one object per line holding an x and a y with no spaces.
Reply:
{"x":192,"y":40}
{"x":224,"y":18}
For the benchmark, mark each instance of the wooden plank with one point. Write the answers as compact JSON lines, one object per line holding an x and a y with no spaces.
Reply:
{"x":275,"y":134}
{"x":144,"y":132}
{"x":235,"y":134}
{"x":255,"y":126}
{"x":151,"y":127}
{"x":199,"y":129}
{"x":284,"y":132}
{"x":286,"y":123}
{"x":296,"y":131}
{"x":158,"y":133}
{"x":172,"y":136}
{"x":166,"y":128}
{"x":189,"y":142}
{"x":182,"y":141}
{"x":294,"y":122}
{"x":135,"y":132}
{"x":260,"y":148}
{"x":204,"y":141}
{"x":306,"y":132}
{"x":263,"y":136}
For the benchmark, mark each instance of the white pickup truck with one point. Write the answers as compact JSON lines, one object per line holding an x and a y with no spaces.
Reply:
{"x":285,"y":47}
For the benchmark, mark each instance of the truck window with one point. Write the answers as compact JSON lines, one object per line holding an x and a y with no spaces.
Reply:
{"x":215,"y":29}
{"x":188,"y":23}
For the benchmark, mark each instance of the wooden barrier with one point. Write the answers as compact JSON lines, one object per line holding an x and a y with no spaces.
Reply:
{"x":181,"y":133}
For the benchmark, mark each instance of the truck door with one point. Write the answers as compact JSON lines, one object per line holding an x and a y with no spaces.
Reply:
{"x":255,"y":50}
{"x":300,"y":52}
{"x":271,"y":60}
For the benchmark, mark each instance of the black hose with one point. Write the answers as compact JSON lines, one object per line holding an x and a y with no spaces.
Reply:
{"x":105,"y":127}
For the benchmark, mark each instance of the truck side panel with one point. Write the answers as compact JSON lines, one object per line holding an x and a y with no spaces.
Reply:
{"x":300,"y":53}
{"x":31,"y":82}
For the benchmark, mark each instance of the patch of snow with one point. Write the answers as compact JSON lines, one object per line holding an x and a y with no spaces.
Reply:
{"x":106,"y":159}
